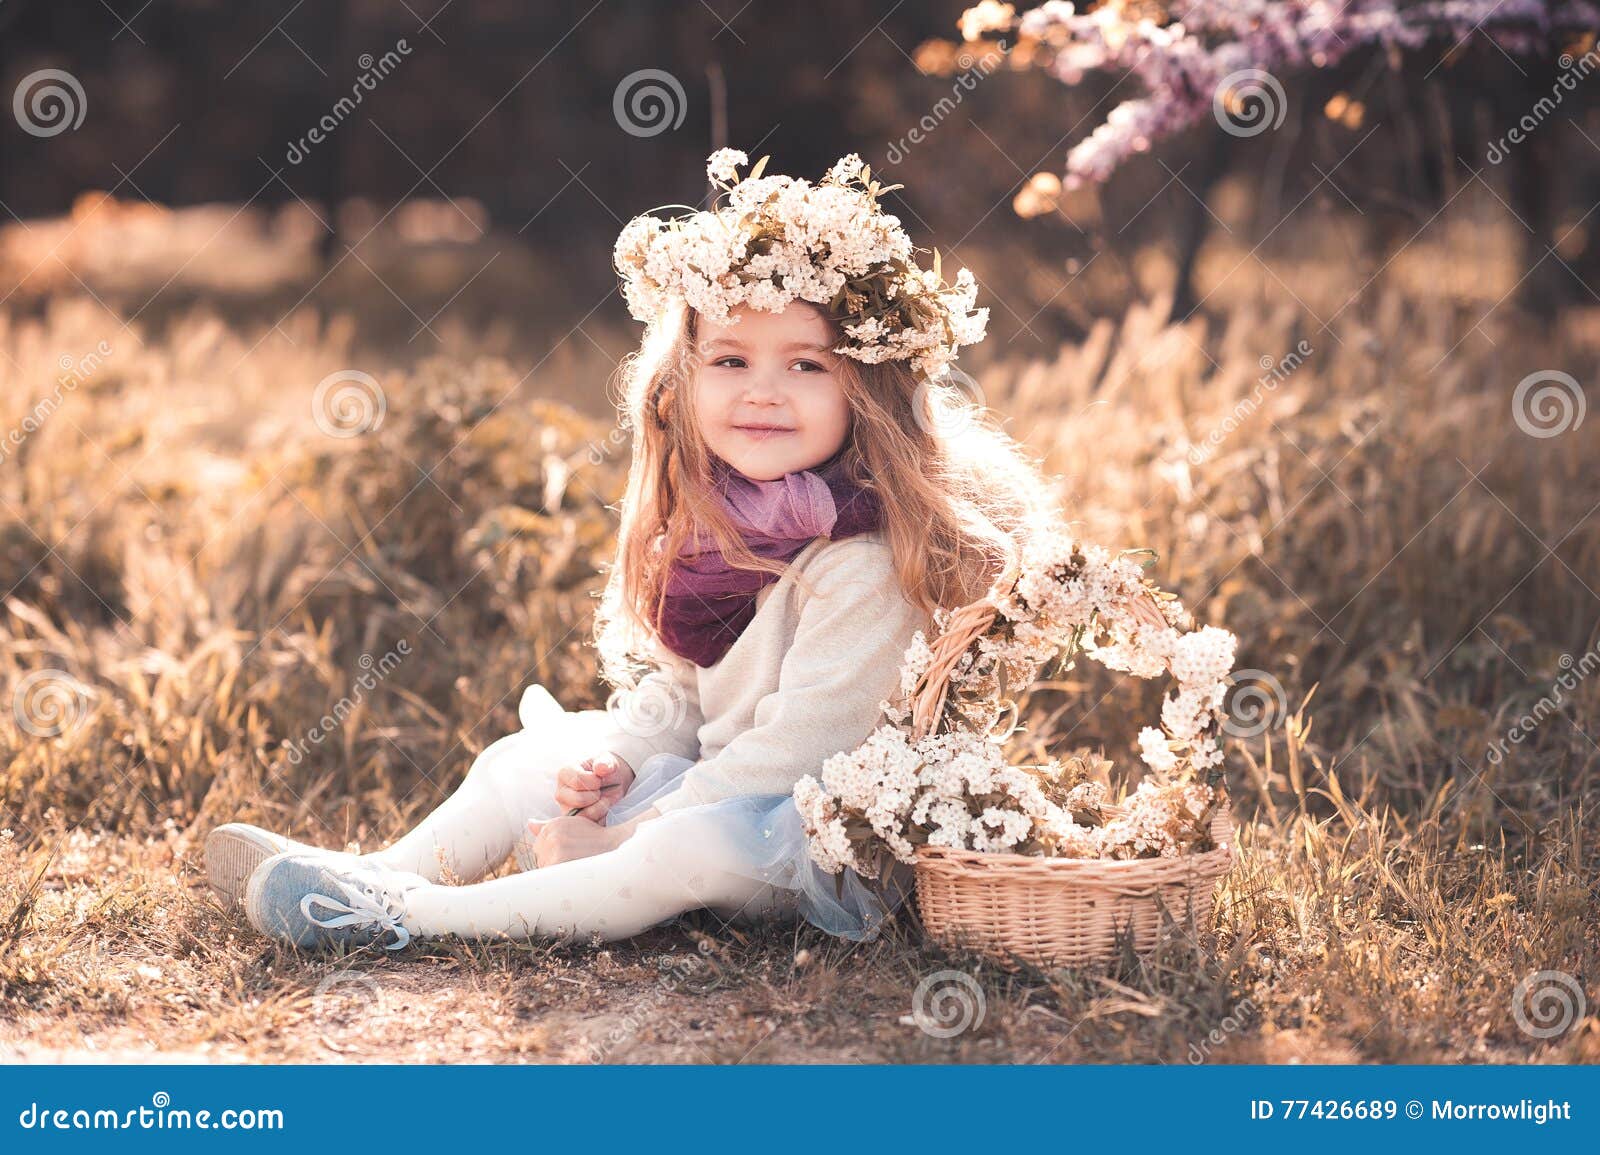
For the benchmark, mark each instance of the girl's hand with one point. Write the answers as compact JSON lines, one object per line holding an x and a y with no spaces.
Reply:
{"x":593,"y":786}
{"x":568,"y":838}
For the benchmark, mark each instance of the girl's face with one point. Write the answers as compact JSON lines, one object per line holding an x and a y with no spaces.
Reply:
{"x":768,"y":396}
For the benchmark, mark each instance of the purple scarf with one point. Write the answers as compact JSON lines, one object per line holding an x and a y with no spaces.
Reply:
{"x":707,"y":602}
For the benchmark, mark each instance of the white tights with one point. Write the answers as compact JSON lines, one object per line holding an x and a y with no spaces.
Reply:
{"x":670,"y":865}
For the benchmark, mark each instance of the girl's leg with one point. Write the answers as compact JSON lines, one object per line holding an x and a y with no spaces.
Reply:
{"x":474,"y":829}
{"x":664,"y":870}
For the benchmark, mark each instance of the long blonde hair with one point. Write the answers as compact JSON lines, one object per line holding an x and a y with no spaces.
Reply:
{"x":958,"y":494}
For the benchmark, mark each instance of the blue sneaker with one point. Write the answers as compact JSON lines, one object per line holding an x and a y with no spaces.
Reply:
{"x":235,"y":849}
{"x":318,"y":901}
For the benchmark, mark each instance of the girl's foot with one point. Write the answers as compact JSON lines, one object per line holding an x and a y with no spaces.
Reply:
{"x":320,"y":901}
{"x":235,"y":849}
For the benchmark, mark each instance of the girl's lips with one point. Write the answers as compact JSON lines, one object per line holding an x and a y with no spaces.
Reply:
{"x":762,"y":430}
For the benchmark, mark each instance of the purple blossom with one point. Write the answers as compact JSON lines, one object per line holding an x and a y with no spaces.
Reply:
{"x":1211,"y":54}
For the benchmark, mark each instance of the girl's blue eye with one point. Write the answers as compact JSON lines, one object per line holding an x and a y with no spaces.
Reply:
{"x":811,"y":366}
{"x":722,"y":362}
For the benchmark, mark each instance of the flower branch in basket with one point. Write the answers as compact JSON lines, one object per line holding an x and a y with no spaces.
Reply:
{"x":935,"y":773}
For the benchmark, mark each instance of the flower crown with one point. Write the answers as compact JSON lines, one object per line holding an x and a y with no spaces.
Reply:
{"x":779,"y":239}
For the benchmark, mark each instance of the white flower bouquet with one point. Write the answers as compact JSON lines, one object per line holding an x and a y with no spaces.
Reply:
{"x":935,"y":773}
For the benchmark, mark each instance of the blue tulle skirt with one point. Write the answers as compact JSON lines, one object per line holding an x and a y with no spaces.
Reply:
{"x":759,"y":836}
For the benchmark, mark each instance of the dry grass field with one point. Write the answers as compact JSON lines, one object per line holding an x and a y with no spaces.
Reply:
{"x":193,"y":572}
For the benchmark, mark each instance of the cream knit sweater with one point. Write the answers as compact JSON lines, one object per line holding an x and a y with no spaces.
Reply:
{"x":802,"y":682}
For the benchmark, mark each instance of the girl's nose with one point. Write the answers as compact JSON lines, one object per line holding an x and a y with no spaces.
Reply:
{"x":761,"y":388}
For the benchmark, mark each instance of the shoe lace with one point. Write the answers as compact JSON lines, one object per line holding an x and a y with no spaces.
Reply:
{"x":369,"y":906}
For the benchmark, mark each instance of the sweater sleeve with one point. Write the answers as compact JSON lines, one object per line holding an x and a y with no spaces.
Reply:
{"x":660,"y":715}
{"x":849,"y":644}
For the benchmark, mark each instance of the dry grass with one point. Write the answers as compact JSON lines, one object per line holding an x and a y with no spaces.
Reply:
{"x":208,"y":568}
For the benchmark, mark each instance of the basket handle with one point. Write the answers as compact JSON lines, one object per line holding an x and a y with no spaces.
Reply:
{"x":966,"y":626}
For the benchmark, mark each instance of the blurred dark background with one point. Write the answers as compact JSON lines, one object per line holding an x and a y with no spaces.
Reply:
{"x":478,"y":183}
{"x":503,"y":112}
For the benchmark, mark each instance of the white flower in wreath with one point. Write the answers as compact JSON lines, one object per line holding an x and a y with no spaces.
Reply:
{"x":1156,"y":752}
{"x":723,"y":165}
{"x":1204,"y":657}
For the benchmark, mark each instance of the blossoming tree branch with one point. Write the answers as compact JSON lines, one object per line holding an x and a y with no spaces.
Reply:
{"x":1197,"y":58}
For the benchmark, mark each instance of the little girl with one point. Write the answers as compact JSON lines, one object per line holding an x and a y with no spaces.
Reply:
{"x":807,"y":486}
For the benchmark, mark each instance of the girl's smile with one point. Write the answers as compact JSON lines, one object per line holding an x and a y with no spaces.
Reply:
{"x":764,"y":431}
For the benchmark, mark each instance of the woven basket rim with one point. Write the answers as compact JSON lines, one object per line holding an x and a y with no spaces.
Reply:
{"x":1003,"y":858}
{"x":1006,"y":858}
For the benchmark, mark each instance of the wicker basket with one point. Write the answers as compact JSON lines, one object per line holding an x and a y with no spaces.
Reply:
{"x":1065,"y":911}
{"x":1050,"y":911}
